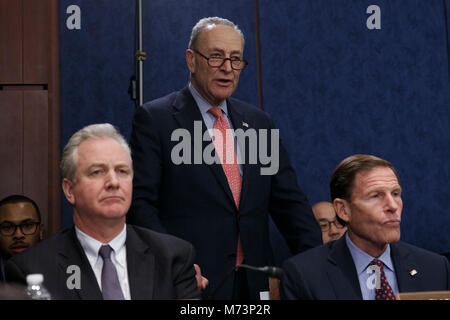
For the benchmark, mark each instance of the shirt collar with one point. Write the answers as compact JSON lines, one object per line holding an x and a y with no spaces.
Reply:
{"x":91,"y":246}
{"x":204,"y":105}
{"x":362,"y":259}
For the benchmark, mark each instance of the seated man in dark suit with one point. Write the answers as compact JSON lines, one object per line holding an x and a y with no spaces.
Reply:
{"x":102,"y":257}
{"x":368,"y":262}
{"x":20,"y":227}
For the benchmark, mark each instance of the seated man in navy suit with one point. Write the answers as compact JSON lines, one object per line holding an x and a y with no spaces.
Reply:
{"x":101,"y":257}
{"x":368,"y":262}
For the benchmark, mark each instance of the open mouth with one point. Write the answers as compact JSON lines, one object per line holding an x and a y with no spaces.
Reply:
{"x":224,"y":82}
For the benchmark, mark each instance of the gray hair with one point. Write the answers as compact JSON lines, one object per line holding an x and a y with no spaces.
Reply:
{"x":211,"y":21}
{"x":95,"y":131}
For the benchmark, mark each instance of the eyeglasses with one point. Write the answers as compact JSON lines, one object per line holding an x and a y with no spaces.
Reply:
{"x":27,"y":228}
{"x":325,"y":225}
{"x":217,"y":62}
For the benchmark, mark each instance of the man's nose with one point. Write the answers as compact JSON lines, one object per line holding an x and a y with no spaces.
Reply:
{"x":392,"y":203}
{"x":18,"y":233}
{"x":113,"y":180}
{"x":226,"y":66}
{"x":333,"y":230}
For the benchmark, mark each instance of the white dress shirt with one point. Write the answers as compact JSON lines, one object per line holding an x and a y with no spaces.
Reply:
{"x":118,"y":257}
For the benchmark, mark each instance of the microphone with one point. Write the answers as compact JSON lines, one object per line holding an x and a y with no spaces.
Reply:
{"x":271,"y":271}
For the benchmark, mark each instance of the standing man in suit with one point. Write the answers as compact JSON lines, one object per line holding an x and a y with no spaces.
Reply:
{"x":222,"y":208}
{"x":101,"y":257}
{"x":368,"y":262}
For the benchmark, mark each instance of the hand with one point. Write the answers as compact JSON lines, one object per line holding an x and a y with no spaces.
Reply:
{"x":202,"y":282}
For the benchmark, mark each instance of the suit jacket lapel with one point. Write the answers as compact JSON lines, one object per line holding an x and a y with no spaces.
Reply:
{"x":186,"y":113}
{"x":141,"y":266}
{"x":72,"y":254}
{"x":342,"y":272}
{"x":403,"y":266}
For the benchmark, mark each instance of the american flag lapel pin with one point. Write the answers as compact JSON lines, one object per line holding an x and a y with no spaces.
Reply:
{"x":413,"y":272}
{"x":244,"y":124}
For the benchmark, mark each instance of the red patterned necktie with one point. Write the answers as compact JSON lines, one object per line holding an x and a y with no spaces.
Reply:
{"x":385,"y":292}
{"x":224,"y":144}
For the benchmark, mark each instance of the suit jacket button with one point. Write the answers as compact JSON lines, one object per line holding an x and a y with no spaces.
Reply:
{"x":232,"y":256}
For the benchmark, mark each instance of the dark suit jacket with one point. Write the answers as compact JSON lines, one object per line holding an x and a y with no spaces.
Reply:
{"x":2,"y":269}
{"x":328,"y":272}
{"x":159,"y":266}
{"x":194,"y":201}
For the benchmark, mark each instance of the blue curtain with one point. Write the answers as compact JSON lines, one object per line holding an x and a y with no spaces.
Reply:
{"x":333,"y":86}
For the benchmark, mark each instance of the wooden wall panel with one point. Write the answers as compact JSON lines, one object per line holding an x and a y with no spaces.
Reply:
{"x":11,"y":142}
{"x":35,"y":144}
{"x":35,"y":41}
{"x":10,"y":41}
{"x":29,"y":104}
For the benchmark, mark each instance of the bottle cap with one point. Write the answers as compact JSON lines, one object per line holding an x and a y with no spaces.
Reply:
{"x":36,"y":278}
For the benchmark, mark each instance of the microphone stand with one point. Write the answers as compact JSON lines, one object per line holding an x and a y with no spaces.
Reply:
{"x":136,"y":89}
{"x":140,"y":55}
{"x":271,"y":272}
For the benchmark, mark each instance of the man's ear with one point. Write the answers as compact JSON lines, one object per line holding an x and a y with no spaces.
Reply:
{"x":67,"y":187}
{"x":190,"y":60}
{"x":341,"y":208}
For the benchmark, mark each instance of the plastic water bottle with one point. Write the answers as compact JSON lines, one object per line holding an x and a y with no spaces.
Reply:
{"x":35,"y":288}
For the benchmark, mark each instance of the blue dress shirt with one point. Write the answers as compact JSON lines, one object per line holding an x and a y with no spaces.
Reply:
{"x":362,"y":260}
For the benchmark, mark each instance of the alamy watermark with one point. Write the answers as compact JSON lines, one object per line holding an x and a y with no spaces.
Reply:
{"x":257,"y":142}
{"x":374,"y":280}
{"x":74,"y":279}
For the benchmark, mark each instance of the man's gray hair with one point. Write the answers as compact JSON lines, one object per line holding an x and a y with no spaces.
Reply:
{"x":208,"y":22}
{"x":95,"y":131}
